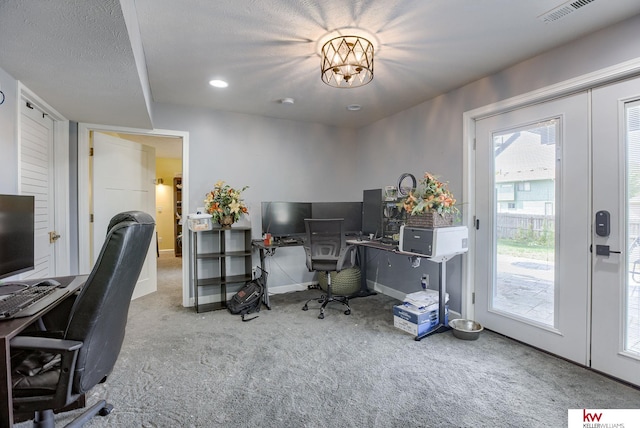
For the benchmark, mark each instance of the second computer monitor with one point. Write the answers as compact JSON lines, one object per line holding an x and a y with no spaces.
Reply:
{"x":351,"y":212}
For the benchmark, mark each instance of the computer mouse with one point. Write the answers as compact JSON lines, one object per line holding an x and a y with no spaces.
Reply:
{"x":49,"y":282}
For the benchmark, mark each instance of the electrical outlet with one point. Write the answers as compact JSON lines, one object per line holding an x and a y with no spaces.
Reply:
{"x":253,"y":272}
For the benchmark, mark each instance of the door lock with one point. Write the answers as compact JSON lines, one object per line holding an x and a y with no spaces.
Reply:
{"x":53,"y":237}
{"x":603,"y":221}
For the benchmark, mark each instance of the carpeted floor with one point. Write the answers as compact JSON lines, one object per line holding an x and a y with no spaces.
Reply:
{"x":289,"y":369}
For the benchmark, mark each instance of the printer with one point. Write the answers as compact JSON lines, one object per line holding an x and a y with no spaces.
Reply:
{"x":440,"y":242}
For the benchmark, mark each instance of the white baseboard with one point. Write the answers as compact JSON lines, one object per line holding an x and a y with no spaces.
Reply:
{"x":281,"y":289}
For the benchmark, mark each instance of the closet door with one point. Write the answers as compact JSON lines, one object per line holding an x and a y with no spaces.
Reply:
{"x":37,"y":180}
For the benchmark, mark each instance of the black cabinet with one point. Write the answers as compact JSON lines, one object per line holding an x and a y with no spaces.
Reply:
{"x":220,"y":257}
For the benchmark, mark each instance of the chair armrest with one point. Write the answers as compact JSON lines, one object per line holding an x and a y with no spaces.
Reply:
{"x":307,"y":253}
{"x":68,"y":351}
{"x":45,"y":344}
{"x":347,"y":257}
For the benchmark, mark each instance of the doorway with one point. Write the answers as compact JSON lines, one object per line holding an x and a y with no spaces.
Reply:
{"x":557,"y":243}
{"x":165,"y":143}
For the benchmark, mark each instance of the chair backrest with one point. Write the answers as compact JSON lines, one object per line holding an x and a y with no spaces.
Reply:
{"x":325,"y":243}
{"x":99,"y":315}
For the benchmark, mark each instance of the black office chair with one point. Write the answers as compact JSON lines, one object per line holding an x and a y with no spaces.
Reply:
{"x":327,"y":251}
{"x":53,"y":369}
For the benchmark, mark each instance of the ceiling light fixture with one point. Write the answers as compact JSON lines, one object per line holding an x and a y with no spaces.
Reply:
{"x":218,"y":83}
{"x":347,"y":62}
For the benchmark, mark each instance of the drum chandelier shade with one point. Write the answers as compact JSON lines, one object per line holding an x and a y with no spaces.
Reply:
{"x":347,"y":62}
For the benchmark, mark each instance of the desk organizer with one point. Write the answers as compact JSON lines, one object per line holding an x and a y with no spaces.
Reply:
{"x":200,"y":222}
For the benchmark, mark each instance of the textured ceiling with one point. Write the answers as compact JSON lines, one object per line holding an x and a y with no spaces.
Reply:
{"x":80,"y":55}
{"x":76,"y":55}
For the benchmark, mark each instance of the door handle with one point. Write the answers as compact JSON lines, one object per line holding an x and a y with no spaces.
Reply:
{"x":53,"y":237}
{"x":604,"y":250}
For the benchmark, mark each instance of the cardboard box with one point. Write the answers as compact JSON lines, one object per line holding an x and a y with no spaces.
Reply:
{"x":415,"y":321}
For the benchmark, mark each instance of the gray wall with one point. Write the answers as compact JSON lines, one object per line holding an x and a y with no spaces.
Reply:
{"x":428,"y":137}
{"x":280,"y":160}
{"x":8,"y":133}
{"x":294,"y":161}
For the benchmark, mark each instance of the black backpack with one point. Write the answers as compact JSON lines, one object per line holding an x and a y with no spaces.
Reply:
{"x":248,"y":299}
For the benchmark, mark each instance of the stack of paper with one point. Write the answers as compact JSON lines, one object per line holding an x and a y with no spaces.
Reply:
{"x":425,"y":300}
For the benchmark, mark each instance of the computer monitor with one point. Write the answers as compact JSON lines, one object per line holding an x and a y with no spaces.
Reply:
{"x":16,"y":234}
{"x":285,"y":218}
{"x":351,"y":212}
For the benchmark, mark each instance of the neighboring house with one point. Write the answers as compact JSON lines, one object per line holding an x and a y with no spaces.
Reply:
{"x":525,"y":171}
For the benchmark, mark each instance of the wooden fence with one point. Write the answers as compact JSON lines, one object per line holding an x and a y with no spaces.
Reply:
{"x":525,"y":226}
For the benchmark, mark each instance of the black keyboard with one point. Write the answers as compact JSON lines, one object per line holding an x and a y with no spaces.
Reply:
{"x":22,"y":299}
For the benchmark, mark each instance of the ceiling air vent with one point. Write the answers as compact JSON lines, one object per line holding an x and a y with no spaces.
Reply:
{"x":563,"y":10}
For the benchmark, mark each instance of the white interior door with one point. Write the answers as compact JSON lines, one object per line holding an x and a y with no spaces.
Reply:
{"x":37,"y":179}
{"x":123,"y":180}
{"x":532,"y":243}
{"x":616,"y":189}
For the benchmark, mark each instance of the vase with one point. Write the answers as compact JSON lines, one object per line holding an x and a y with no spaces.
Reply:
{"x":430,"y":219}
{"x":226,"y":221}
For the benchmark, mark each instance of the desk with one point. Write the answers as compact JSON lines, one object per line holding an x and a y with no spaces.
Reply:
{"x":363,"y":245}
{"x":269,"y":250}
{"x":11,"y":328}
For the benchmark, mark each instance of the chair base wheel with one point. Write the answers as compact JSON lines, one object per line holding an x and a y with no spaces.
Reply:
{"x":305,"y":308}
{"x":347,"y":312}
{"x":106,"y":410}
{"x":321,"y":316}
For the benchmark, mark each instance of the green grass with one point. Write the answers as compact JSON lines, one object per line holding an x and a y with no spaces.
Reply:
{"x":510,"y":247}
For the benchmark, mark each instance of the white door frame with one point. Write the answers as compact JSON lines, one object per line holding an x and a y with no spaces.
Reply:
{"x":586,"y":81}
{"x":84,"y":241}
{"x":60,"y":154}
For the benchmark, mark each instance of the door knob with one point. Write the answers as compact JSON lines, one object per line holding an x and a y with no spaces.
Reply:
{"x":53,"y":237}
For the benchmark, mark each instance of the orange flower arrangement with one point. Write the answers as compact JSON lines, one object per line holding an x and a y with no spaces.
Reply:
{"x":430,"y":195}
{"x":225,"y":201}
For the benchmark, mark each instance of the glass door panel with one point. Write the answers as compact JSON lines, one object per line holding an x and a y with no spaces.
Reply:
{"x":524,"y":209}
{"x":632,"y":136}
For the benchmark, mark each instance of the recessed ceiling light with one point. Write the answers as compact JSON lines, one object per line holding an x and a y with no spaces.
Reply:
{"x":218,"y":83}
{"x":287,"y":101}
{"x":354,"y":107}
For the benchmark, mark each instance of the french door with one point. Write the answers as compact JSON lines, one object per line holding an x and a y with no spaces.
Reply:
{"x":558,"y":243}
{"x":615,"y":347}
{"x":532,"y":243}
